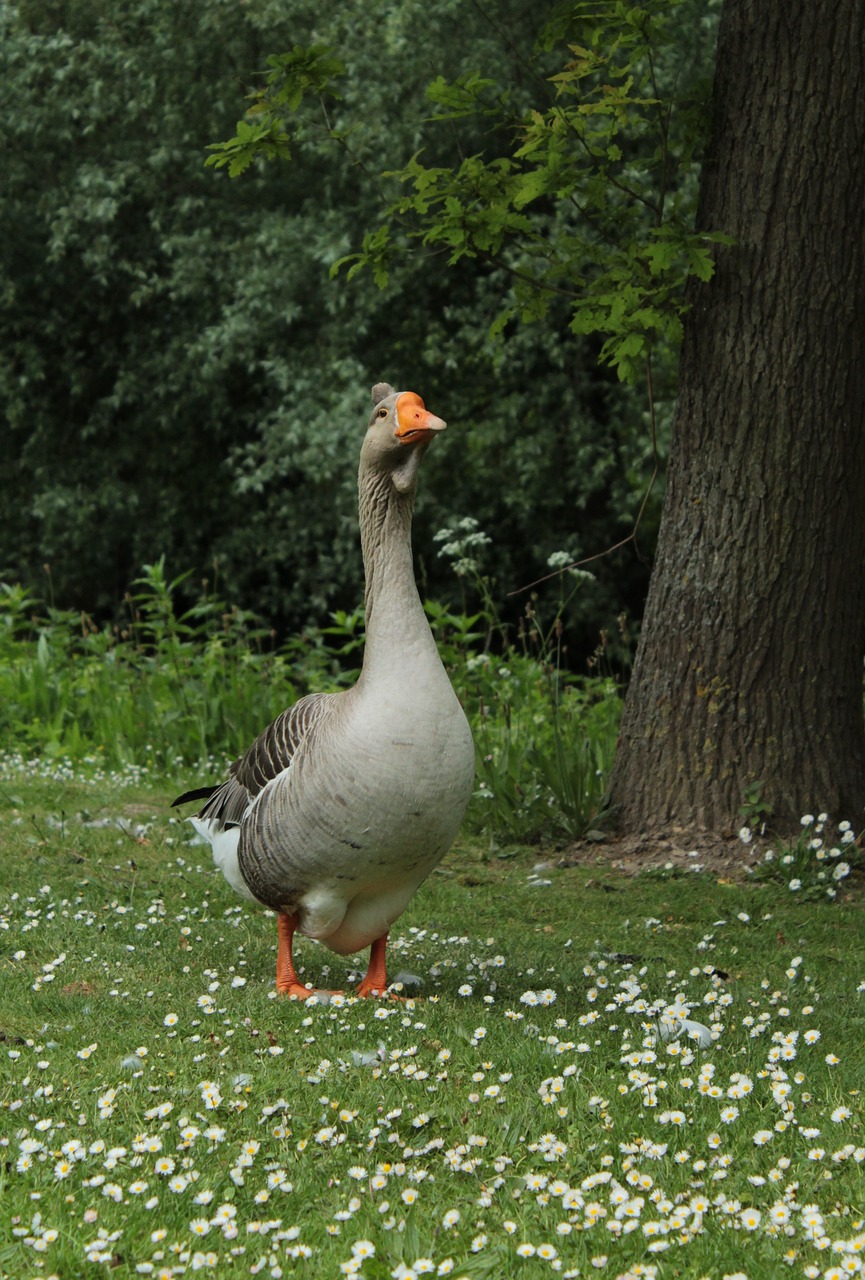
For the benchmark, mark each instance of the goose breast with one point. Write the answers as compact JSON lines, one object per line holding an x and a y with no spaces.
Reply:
{"x":370,"y":804}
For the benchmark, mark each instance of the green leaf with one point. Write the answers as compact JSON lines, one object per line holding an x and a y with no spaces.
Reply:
{"x":529,"y":186}
{"x":464,"y":97}
{"x":305,"y":70}
{"x":700,"y":262}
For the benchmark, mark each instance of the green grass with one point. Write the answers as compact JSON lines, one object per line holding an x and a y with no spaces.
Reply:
{"x":171,"y":690}
{"x":522,"y":1105}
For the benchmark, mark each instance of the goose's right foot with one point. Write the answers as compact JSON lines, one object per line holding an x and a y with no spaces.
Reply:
{"x":297,"y":991}
{"x":287,"y":981}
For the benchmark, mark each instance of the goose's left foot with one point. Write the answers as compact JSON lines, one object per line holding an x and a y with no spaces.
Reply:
{"x":287,"y":981}
{"x":375,"y":981}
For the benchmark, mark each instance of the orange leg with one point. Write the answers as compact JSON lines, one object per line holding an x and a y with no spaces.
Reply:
{"x":375,"y":982}
{"x":287,"y":981}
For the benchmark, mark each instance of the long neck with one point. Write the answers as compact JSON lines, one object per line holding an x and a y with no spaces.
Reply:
{"x":396,"y":627}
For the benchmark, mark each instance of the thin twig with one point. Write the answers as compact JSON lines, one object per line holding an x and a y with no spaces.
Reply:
{"x":632,"y":536}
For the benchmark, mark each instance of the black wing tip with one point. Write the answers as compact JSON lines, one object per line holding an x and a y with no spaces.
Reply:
{"x":199,"y":793}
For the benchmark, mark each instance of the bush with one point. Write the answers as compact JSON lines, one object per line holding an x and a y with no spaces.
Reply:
{"x":174,"y":692}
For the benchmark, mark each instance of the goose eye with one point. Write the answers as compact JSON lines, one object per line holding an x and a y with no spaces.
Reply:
{"x":382,"y":413}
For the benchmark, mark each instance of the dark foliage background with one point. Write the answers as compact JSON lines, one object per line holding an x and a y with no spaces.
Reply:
{"x":180,"y":376}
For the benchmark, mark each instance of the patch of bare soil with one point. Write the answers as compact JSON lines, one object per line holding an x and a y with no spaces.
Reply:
{"x":720,"y":855}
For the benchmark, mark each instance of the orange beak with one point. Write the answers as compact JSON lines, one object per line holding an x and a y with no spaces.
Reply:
{"x":415,"y":422}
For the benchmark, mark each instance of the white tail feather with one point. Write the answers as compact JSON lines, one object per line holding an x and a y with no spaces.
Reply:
{"x":224,"y":841}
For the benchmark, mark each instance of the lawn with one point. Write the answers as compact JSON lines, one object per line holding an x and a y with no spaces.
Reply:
{"x":527,"y":1111}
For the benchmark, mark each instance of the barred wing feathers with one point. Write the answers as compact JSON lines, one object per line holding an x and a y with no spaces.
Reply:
{"x":270,"y":755}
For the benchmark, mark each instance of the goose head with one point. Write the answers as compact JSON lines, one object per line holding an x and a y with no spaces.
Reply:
{"x":399,"y":430}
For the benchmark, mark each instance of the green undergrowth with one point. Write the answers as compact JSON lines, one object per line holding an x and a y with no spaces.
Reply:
{"x":171,"y":691}
{"x":527,"y":1111}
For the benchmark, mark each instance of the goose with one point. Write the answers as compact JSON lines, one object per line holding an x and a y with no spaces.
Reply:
{"x":342,"y":806}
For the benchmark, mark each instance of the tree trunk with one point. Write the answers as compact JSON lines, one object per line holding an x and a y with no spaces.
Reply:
{"x":749,"y":668}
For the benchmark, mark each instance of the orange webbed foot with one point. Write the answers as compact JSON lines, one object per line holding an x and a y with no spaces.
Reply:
{"x":370,"y":990}
{"x":297,"y":991}
{"x":294,"y":990}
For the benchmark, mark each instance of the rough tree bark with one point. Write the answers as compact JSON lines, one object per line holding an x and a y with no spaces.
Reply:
{"x":750,"y":662}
